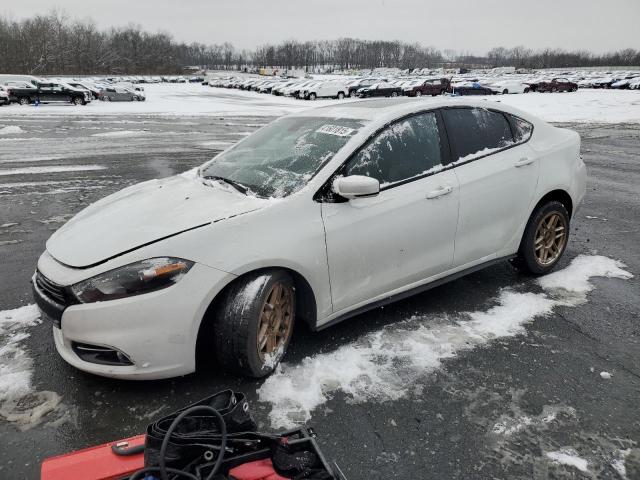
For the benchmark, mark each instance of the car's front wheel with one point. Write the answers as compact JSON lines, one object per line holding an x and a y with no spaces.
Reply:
{"x":254,"y":323}
{"x":545,"y":238}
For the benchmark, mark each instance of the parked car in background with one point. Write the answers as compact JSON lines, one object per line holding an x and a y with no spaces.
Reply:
{"x":429,"y":86}
{"x":49,"y":92}
{"x":471,"y":88}
{"x":121,"y":94}
{"x":509,"y":86}
{"x":557,"y":85}
{"x":329,"y":89}
{"x":91,"y":88}
{"x":4,"y":97}
{"x":278,"y":90}
{"x":384,"y":194}
{"x":381,"y":89}
{"x":353,"y":87}
{"x":295,"y":89}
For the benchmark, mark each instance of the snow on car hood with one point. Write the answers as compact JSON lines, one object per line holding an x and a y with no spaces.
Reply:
{"x":143,"y":214}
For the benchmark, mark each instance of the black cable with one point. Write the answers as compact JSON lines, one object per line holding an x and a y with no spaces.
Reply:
{"x":162,"y":467}
{"x":138,"y":475}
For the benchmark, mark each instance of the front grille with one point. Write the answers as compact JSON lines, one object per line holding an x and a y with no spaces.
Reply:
{"x":53,"y":291}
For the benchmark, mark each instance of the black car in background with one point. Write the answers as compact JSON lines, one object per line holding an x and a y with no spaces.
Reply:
{"x":471,"y":89}
{"x":361,"y":83}
{"x":381,"y":89}
{"x":48,"y":93}
{"x":95,"y":91}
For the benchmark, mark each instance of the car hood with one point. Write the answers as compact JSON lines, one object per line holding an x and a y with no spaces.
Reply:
{"x":145,"y":213}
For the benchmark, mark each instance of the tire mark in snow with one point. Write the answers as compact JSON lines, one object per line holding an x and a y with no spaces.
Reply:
{"x":384,"y":365}
{"x":20,"y":403}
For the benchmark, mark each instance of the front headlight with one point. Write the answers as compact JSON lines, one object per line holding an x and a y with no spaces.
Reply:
{"x":133,"y":279}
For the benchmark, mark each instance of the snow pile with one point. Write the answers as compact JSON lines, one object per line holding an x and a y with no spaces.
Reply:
{"x":50,"y":169}
{"x":120,"y":133}
{"x":385,"y":364}
{"x":569,"y":457}
{"x":19,"y":402}
{"x":10,"y":130}
{"x":618,"y":463}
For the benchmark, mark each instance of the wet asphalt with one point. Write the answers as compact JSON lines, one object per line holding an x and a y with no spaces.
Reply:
{"x":443,"y":432}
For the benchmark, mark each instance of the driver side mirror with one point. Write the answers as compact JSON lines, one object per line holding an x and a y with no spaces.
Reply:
{"x":355,"y":186}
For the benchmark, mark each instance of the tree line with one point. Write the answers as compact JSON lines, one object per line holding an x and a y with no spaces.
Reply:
{"x":55,"y":44}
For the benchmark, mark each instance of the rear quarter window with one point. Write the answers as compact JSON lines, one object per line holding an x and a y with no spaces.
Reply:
{"x":522,"y":129}
{"x":475,"y":132}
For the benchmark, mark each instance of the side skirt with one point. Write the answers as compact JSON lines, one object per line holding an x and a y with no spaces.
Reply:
{"x":411,"y":292}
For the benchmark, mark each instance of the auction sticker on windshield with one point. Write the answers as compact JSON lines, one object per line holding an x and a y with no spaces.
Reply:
{"x":336,"y":130}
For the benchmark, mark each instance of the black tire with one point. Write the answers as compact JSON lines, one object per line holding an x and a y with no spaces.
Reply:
{"x":340,"y":95}
{"x":237,"y":320}
{"x":107,"y":98}
{"x":353,"y":94}
{"x":527,"y":90}
{"x":394,"y":94}
{"x":312,"y":96}
{"x":526,"y":259}
{"x":554,"y":89}
{"x":24,"y":101}
{"x":505,"y":91}
{"x":418,"y":93}
{"x":78,"y":101}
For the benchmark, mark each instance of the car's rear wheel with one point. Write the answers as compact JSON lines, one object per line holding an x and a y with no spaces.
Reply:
{"x":78,"y":101}
{"x":505,"y":91}
{"x":554,"y":89}
{"x":340,"y":95}
{"x":254,"y":323}
{"x":418,"y":93}
{"x":353,"y":94}
{"x":545,"y":238}
{"x":312,"y":96}
{"x":24,"y":101}
{"x":394,"y":94}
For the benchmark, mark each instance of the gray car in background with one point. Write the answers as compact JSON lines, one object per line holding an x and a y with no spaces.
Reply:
{"x":121,"y":94}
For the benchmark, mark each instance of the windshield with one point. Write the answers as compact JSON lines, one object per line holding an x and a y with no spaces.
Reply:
{"x":282,"y":157}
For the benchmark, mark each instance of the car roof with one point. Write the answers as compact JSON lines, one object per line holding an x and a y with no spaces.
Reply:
{"x":387,"y":109}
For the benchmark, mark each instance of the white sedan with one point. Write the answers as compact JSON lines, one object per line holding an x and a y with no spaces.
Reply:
{"x":315,"y":218}
{"x":510,"y":86}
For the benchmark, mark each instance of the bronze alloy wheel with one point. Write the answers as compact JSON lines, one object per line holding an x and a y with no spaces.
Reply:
{"x":550,"y":238}
{"x":276,"y":321}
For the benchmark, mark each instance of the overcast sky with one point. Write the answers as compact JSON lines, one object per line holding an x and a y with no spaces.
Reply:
{"x":472,"y":26}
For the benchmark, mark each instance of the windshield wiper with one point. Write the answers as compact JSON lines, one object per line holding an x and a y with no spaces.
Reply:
{"x":238,"y":186}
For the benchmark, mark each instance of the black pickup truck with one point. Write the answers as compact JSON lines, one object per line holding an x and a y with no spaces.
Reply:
{"x":49,"y":92}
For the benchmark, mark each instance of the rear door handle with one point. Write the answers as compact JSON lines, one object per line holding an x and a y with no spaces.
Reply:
{"x":439,"y":192}
{"x":524,"y":161}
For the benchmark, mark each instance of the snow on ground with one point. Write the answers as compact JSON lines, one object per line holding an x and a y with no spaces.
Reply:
{"x":586,"y":105}
{"x":385,"y":364}
{"x":10,"y":130}
{"x":20,"y":403}
{"x":568,"y":456}
{"x":49,"y":169}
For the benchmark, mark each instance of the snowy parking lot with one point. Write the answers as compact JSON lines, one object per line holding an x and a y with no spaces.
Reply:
{"x":495,"y":375}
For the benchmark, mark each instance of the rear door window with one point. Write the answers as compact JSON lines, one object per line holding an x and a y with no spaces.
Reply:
{"x":408,"y":148}
{"x":474,"y":132}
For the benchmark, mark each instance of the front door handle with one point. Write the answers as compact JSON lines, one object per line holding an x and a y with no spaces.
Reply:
{"x":439,"y":192}
{"x":524,"y":161}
